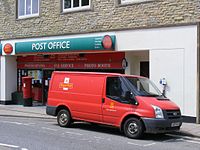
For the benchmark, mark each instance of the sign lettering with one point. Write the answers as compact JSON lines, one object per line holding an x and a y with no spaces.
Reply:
{"x":116,"y":65}
{"x":51,"y":45}
{"x":62,"y":45}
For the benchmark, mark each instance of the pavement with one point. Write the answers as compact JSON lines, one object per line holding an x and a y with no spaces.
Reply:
{"x":39,"y":111}
{"x":35,"y":111}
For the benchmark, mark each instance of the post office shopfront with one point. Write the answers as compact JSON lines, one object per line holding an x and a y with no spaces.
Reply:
{"x":38,"y":59}
{"x":169,"y":53}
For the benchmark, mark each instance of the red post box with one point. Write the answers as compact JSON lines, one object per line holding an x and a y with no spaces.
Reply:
{"x":27,"y":90}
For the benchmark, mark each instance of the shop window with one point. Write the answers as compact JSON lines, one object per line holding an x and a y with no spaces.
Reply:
{"x":76,"y":5}
{"x":132,"y":1}
{"x":28,"y":8}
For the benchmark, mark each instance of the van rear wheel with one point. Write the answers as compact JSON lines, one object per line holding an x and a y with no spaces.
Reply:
{"x":133,"y":128}
{"x":64,"y":118}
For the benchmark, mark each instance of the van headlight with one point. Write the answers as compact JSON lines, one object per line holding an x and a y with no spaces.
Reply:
{"x":158,"y":112}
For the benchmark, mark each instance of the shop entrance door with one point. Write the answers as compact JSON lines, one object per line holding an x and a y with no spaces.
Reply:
{"x":144,"y":69}
{"x":46,"y":79}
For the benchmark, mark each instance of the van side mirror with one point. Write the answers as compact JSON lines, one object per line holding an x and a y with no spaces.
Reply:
{"x":130,"y":97}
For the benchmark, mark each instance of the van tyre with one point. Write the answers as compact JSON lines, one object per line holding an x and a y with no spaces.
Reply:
{"x":133,"y":128}
{"x":64,"y":118}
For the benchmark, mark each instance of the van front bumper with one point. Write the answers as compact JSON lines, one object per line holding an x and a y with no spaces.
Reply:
{"x":153,"y":125}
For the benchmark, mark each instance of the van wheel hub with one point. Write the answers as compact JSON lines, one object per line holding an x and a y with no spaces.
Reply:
{"x":133,"y":128}
{"x":63,"y":118}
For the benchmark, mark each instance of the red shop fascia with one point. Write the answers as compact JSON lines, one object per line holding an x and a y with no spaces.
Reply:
{"x":83,"y":61}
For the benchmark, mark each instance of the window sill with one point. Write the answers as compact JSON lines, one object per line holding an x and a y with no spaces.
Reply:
{"x":71,"y":10}
{"x":27,"y":17}
{"x":134,"y":2}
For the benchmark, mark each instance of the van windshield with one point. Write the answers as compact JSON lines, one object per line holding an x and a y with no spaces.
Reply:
{"x":143,"y":87}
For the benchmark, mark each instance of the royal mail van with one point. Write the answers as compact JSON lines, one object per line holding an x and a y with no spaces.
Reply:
{"x":131,"y":103}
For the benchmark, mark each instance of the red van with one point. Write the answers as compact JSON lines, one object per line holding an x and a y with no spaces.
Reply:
{"x":132,"y":103}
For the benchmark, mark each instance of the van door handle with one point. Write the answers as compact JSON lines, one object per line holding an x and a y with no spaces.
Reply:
{"x":103,"y":100}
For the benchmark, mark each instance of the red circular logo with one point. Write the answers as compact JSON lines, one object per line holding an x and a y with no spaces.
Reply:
{"x":107,"y":42}
{"x":8,"y":49}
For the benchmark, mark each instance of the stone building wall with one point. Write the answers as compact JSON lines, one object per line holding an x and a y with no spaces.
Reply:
{"x":104,"y":15}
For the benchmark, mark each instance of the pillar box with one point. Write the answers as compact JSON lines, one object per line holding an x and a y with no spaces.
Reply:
{"x":27,"y":90}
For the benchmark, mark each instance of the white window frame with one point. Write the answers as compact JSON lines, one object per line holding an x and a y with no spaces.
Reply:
{"x":76,"y":8}
{"x":126,"y":2}
{"x":29,"y":15}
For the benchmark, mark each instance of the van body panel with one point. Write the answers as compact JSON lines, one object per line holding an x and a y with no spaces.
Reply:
{"x":164,"y":104}
{"x":84,"y":101}
{"x":88,"y":98}
{"x":113,"y":111}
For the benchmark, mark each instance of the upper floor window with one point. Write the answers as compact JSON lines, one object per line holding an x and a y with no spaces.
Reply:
{"x":28,"y":8}
{"x":75,"y":5}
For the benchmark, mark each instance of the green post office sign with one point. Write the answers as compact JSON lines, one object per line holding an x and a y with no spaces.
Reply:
{"x":64,"y":45}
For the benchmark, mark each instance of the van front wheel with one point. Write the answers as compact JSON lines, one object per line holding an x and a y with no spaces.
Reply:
{"x":133,"y":128}
{"x":64,"y":118}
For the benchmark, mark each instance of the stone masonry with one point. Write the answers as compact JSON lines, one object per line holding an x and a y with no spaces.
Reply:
{"x":104,"y":15}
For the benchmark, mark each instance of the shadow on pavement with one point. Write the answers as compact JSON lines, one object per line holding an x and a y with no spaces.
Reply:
{"x":96,"y":128}
{"x":115,"y":131}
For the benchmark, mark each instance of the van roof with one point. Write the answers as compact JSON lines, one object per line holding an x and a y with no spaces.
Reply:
{"x":94,"y":73}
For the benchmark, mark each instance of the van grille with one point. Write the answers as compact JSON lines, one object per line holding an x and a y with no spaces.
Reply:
{"x":173,"y":114}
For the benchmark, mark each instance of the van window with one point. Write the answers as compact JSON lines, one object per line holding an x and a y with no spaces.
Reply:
{"x":116,"y":89}
{"x":143,"y":86}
